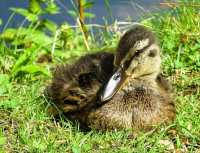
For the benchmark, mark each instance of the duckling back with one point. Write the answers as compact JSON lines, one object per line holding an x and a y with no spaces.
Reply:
{"x":75,"y":86}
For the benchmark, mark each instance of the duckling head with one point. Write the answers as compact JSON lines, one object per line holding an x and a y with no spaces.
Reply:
{"x":137,"y":56}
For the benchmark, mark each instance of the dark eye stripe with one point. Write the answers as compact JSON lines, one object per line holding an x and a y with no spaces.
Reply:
{"x":137,"y":53}
{"x":128,"y":62}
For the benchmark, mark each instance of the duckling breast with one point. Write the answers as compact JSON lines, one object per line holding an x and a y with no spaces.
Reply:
{"x":136,"y":106}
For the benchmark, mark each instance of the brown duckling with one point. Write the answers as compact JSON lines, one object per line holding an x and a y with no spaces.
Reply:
{"x":75,"y":86}
{"x":137,"y":95}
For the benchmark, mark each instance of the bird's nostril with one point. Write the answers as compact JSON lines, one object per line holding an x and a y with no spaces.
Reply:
{"x":117,"y":76}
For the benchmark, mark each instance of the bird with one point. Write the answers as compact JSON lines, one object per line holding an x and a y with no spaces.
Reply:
{"x":106,"y":91}
{"x":75,"y":86}
{"x":136,"y":95}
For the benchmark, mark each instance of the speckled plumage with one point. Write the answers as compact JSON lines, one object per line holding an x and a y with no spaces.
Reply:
{"x":140,"y":104}
{"x":143,"y":100}
{"x":74,"y":86}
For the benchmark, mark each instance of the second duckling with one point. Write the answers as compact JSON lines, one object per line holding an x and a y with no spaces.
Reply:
{"x":75,"y":86}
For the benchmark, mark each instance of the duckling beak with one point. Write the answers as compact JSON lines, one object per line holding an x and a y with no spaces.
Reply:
{"x":113,"y":85}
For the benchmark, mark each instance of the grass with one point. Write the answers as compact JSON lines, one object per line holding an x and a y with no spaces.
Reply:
{"x":26,"y":127}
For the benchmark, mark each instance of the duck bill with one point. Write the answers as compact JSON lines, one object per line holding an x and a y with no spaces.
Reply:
{"x":113,"y":85}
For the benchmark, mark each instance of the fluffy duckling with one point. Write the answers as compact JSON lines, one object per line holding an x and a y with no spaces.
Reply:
{"x":136,"y":95}
{"x":132,"y":95}
{"x":75,"y":86}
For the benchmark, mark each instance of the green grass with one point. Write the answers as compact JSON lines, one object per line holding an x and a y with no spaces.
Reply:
{"x":25,"y":125}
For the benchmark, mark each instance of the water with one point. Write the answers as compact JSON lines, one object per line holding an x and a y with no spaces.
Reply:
{"x":122,"y":10}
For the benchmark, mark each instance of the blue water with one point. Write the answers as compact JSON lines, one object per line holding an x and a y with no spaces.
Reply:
{"x":122,"y":10}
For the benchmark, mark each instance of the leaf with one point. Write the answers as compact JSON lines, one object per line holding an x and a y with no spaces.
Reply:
{"x":22,"y":60}
{"x":34,"y":6}
{"x":52,"y":8}
{"x":39,"y":37}
{"x":88,"y":5}
{"x":33,"y":69}
{"x":4,"y":84}
{"x":72,"y":13}
{"x":29,"y":16}
{"x":23,"y":36}
{"x":89,"y":15}
{"x":8,"y":34}
{"x":61,"y":54}
{"x":50,"y":25}
{"x":0,"y":21}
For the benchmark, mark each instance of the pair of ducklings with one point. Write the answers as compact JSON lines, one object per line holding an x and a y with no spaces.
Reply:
{"x":105,"y":91}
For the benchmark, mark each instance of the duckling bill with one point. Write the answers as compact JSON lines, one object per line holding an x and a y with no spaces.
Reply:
{"x":119,"y":75}
{"x":113,"y":85}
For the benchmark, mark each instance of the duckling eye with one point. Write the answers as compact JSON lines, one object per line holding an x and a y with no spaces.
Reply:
{"x":152,"y":53}
{"x":137,"y":52}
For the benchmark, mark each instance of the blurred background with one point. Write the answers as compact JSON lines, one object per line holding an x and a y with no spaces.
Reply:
{"x":105,"y":11}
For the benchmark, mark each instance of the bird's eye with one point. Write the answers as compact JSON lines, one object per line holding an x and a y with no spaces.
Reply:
{"x":137,"y":52}
{"x":152,"y":53}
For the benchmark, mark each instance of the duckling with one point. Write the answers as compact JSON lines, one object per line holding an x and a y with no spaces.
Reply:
{"x":136,"y":95}
{"x":75,"y":86}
